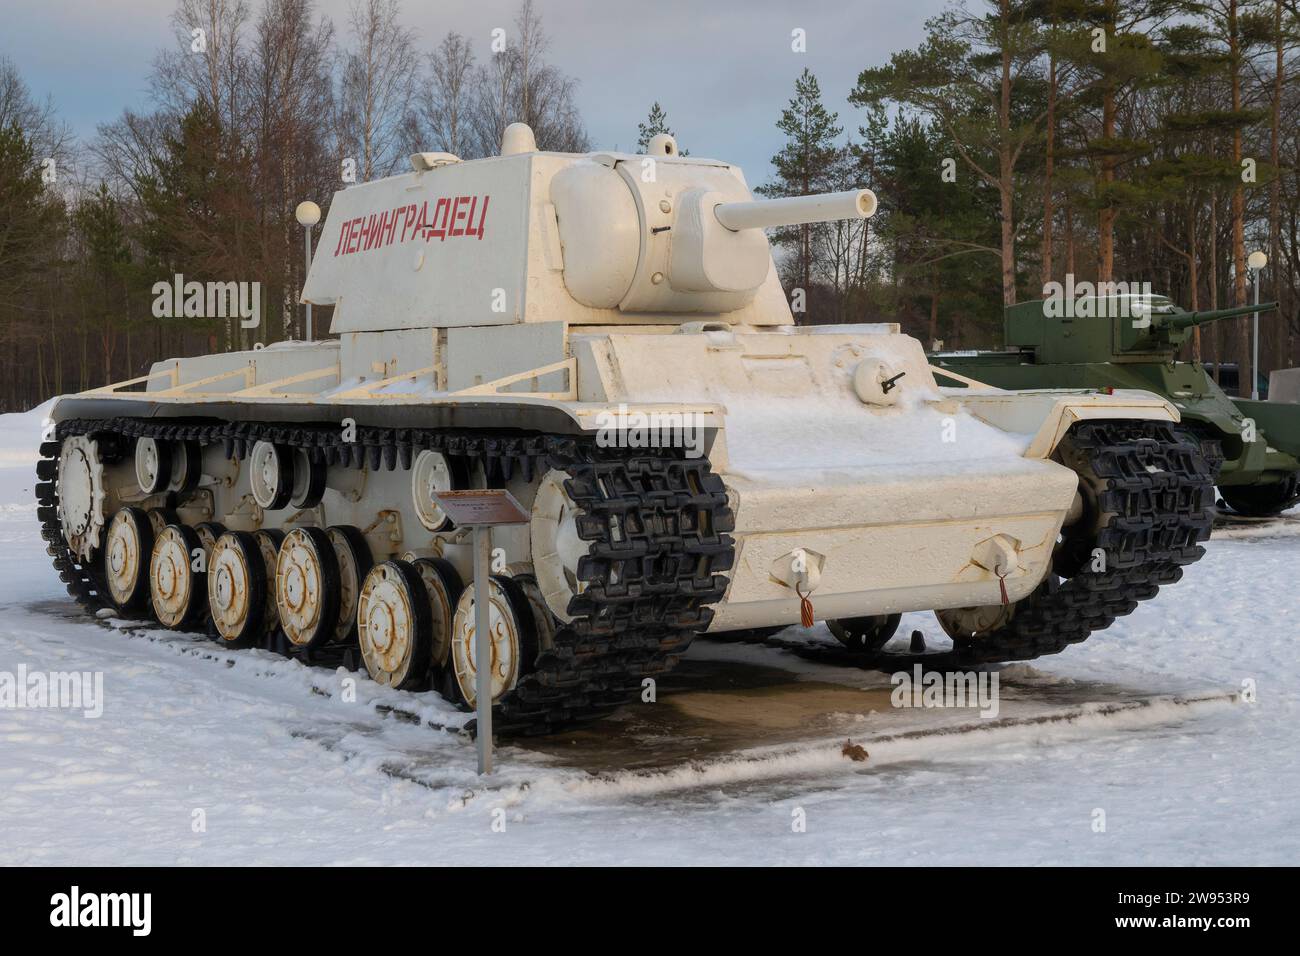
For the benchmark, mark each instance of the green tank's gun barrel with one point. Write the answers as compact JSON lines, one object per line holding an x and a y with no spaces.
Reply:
{"x":1185,"y":320}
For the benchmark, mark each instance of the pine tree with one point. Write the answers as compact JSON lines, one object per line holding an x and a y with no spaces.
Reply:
{"x":656,"y":123}
{"x":1183,"y":174}
{"x":940,"y":237}
{"x":969,"y":76}
{"x":99,"y":224}
{"x":806,"y":164}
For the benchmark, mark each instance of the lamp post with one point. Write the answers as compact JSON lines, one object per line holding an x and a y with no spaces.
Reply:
{"x":308,"y":214}
{"x":1255,"y":263}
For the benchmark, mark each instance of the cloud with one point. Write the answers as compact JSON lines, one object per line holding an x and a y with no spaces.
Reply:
{"x":723,"y":69}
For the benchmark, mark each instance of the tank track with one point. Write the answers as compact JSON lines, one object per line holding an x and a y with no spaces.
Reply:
{"x":1160,"y":494}
{"x":658,"y":525}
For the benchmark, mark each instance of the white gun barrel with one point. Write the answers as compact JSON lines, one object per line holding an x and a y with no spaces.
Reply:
{"x":768,"y":213}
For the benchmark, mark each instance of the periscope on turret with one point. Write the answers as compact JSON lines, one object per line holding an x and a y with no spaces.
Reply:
{"x":554,"y":324}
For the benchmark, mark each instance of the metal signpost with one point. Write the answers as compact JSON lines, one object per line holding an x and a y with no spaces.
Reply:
{"x":482,"y":509}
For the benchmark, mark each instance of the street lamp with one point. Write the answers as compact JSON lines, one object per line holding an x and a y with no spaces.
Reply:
{"x":1255,"y":263}
{"x":308,"y":214}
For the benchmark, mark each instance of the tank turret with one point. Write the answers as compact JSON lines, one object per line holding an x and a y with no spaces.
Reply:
{"x":528,"y":236}
{"x":1119,"y":328}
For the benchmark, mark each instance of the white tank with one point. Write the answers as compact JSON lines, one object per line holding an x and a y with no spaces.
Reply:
{"x":606,"y":337}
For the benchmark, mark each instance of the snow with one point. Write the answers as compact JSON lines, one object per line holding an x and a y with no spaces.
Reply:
{"x":282,"y":766}
{"x":20,"y":437}
{"x":769,"y":436}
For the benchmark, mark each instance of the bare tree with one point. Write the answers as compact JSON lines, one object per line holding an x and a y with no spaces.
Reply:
{"x":206,"y":61}
{"x":252,"y":104}
{"x":292,"y":90}
{"x":444,"y":103}
{"x":517,"y":85}
{"x":50,"y":136}
{"x":377,"y":87}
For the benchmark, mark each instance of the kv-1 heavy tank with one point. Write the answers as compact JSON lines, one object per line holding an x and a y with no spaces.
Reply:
{"x":1130,"y":342}
{"x":606,"y":337}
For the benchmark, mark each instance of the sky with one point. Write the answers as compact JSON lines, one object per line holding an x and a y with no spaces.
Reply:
{"x":722,"y":69}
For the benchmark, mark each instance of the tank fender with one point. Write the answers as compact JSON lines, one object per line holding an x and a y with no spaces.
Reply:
{"x":1279,"y":422}
{"x":1045,"y":417}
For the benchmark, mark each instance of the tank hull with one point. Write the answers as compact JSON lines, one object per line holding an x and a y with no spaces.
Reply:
{"x":893,"y":502}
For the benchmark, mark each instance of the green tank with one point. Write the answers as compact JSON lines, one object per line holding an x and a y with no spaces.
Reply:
{"x":1130,"y":342}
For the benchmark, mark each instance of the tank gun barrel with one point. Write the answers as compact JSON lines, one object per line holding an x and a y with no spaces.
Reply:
{"x":796,"y":210}
{"x":1185,"y":320}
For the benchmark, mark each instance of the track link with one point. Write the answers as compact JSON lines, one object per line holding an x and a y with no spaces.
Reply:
{"x":658,"y":525}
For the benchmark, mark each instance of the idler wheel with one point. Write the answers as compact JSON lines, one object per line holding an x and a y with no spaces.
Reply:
{"x":557,"y":547}
{"x":81,"y":495}
{"x":965,"y":623}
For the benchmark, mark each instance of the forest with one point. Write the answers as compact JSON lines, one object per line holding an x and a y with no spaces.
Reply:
{"x":1019,"y":143}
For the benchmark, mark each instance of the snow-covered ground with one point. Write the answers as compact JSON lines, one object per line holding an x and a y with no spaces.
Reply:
{"x":209,"y":756}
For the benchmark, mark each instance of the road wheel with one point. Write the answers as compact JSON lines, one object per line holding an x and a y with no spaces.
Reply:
{"x":307,"y":589}
{"x":128,"y":549}
{"x":237,"y":588}
{"x":865,"y":635}
{"x":513,"y":641}
{"x":209,"y":532}
{"x":178,"y":591}
{"x":443,"y":585}
{"x":309,"y":475}
{"x":186,"y":466}
{"x":393,"y":626}
{"x":1263,"y":501}
{"x":268,"y":545}
{"x":355,"y":561}
{"x":431,"y":473}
